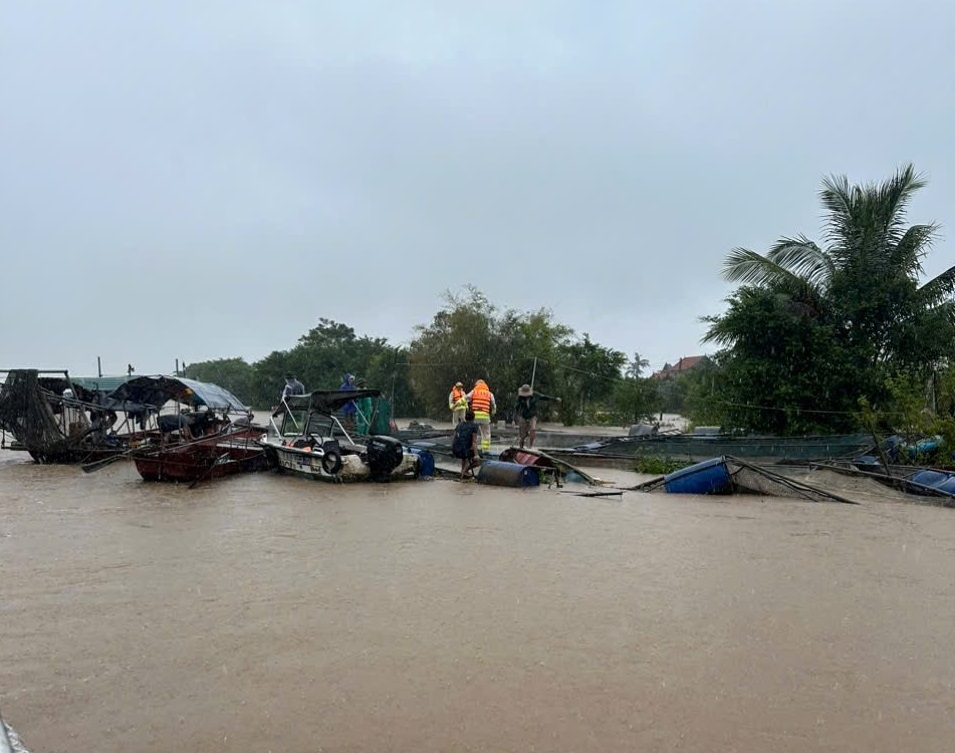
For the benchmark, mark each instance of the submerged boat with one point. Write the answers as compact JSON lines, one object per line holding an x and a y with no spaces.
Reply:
{"x":306,"y":438}
{"x":58,"y":418}
{"x":205,"y":433}
{"x":923,"y":481}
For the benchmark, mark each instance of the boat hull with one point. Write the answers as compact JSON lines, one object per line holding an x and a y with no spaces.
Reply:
{"x":201,"y":460}
{"x":315,"y":464}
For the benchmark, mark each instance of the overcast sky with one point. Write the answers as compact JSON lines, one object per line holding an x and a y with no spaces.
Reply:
{"x":205,"y":179}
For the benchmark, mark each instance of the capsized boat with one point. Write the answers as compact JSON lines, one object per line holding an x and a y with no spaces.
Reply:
{"x":306,"y":438}
{"x":205,"y":433}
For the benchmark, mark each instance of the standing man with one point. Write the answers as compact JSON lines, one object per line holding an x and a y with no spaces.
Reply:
{"x":349,"y":409}
{"x":292,"y":386}
{"x":457,"y":403}
{"x":483,"y":404}
{"x":526,"y":411}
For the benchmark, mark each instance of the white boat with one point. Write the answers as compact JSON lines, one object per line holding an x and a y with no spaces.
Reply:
{"x":306,"y":438}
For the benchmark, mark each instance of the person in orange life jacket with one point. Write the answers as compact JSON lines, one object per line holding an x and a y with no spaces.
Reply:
{"x":482,"y":402}
{"x":526,"y":411}
{"x":457,"y":403}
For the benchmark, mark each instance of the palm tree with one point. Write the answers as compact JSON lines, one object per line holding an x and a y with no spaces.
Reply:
{"x":865,"y":277}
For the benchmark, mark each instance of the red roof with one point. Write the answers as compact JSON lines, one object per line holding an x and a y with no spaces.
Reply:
{"x":684,"y":364}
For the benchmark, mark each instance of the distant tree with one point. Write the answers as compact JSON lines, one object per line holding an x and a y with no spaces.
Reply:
{"x":588,"y":376}
{"x":232,"y":374}
{"x":470,"y":339}
{"x":636,"y":366}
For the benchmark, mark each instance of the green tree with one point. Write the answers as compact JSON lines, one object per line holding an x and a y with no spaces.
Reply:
{"x":470,"y":339}
{"x":814,"y":328}
{"x":588,"y":376}
{"x":233,"y":374}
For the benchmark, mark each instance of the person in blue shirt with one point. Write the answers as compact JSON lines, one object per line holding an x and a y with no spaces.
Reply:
{"x":349,"y":409}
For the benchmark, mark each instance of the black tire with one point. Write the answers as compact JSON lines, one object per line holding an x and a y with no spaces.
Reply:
{"x":332,"y":463}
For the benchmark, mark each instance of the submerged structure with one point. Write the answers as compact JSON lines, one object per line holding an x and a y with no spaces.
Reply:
{"x":729,"y":475}
{"x":58,"y":418}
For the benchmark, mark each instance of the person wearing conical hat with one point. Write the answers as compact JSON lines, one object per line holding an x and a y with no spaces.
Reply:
{"x":526,"y":411}
{"x":457,"y":403}
{"x":482,"y":402}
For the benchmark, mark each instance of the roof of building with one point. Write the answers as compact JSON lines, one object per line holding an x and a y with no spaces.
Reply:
{"x":684,"y":364}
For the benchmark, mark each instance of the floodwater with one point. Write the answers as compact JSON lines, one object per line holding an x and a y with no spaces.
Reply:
{"x":270,"y":613}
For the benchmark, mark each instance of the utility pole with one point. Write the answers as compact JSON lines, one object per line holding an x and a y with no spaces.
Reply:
{"x":99,"y":366}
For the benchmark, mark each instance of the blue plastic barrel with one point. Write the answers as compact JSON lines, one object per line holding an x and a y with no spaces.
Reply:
{"x":709,"y":477}
{"x":929,"y":478}
{"x":947,"y":486}
{"x":499,"y":473}
{"x":425,"y":461}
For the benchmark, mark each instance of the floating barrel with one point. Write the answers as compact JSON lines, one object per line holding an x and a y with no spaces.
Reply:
{"x":947,"y":486}
{"x":709,"y":477}
{"x":929,"y":478}
{"x":425,"y":461}
{"x":499,"y":473}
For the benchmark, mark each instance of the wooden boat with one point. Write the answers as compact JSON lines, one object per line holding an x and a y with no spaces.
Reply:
{"x":209,"y":434}
{"x":306,"y":438}
{"x":58,"y":418}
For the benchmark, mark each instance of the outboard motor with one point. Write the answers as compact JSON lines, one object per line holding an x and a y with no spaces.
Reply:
{"x":384,"y":455}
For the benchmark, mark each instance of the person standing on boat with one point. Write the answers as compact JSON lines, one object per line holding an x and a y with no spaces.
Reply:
{"x":457,"y":403}
{"x":526,"y":411}
{"x":349,"y":409}
{"x":292,"y":386}
{"x":482,"y":402}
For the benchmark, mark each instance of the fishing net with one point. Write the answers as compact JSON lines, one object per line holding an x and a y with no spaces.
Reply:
{"x":746,"y":478}
{"x":38,"y":417}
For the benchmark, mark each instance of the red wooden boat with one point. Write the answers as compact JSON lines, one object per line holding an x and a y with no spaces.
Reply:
{"x":199,"y":440}
{"x":234,"y":451}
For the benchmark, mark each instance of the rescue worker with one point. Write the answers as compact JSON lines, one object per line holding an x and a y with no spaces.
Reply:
{"x":457,"y":403}
{"x":482,"y":402}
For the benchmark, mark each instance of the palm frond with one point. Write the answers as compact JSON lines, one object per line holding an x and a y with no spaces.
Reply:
{"x":940,"y":290}
{"x":838,"y":198}
{"x":750,"y":268}
{"x":891,"y":200}
{"x":911,"y":247}
{"x":803,"y":258}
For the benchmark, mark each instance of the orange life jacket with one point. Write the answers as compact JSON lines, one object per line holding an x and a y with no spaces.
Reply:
{"x":481,"y":398}
{"x":457,"y":394}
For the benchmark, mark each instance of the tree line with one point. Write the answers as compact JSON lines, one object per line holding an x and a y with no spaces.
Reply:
{"x":824,"y":337}
{"x":469,"y":338}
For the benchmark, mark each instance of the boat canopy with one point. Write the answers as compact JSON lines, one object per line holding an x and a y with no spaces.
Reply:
{"x":156,"y":391}
{"x":104,"y":384}
{"x":327,"y":401}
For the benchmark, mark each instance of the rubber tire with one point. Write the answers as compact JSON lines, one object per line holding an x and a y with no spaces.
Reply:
{"x":332,"y":463}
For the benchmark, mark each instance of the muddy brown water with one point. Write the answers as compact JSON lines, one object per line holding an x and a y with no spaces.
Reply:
{"x":269,"y":613}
